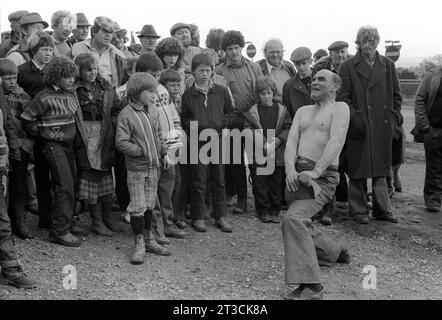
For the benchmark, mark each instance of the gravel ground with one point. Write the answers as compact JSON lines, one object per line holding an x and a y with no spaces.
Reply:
{"x":248,"y":264}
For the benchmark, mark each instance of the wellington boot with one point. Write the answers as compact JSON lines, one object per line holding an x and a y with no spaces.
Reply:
{"x":139,"y":253}
{"x":97,"y":221}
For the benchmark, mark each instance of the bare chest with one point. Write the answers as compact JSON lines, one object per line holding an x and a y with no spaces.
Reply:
{"x":315,"y":121}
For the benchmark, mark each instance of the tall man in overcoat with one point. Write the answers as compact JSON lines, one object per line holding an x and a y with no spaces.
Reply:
{"x":370,"y":87}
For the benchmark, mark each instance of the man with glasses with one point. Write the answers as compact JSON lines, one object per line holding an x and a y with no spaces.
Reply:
{"x":275,"y":67}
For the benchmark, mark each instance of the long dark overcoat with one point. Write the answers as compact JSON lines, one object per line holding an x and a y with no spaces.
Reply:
{"x":375,"y":99}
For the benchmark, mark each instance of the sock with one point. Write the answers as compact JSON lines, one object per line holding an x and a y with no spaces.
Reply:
{"x":137,"y":223}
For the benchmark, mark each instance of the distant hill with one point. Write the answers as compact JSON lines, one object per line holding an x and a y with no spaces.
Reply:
{"x":406,"y":62}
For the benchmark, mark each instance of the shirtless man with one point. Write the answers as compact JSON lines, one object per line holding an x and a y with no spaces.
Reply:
{"x":312,"y":153}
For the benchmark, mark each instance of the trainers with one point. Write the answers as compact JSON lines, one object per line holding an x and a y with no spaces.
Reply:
{"x":342,"y":205}
{"x":162,"y":241}
{"x":153,"y":247}
{"x":433,"y":208}
{"x":174,"y":232}
{"x":16,"y":277}
{"x":295,"y":294}
{"x":389,"y":218}
{"x":230,"y":202}
{"x":181,"y":224}
{"x":276,"y":219}
{"x":325,"y":220}
{"x":362,"y":219}
{"x":309,"y":294}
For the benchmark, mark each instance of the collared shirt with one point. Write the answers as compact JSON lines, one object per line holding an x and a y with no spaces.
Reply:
{"x":280,"y":75}
{"x":36,"y":65}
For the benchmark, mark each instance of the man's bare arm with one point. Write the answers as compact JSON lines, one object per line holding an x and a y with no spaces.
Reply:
{"x":291,"y":153}
{"x":338,"y":132}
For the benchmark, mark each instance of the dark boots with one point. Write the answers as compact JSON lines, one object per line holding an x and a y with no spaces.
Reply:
{"x":97,"y":221}
{"x":12,"y":274}
{"x":137,"y":223}
{"x":110,"y":222}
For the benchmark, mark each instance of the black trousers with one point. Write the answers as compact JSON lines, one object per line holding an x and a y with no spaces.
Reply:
{"x":43,"y":183}
{"x":199,"y":174}
{"x":433,"y":167}
{"x":236,"y":176}
{"x":267,"y":191}
{"x":61,"y":160}
{"x":121,"y":190}
{"x":180,"y":193}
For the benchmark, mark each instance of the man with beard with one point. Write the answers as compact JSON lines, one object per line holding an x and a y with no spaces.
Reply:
{"x":62,"y":22}
{"x":81,"y":32}
{"x":181,"y":31}
{"x":14,"y":19}
{"x":110,"y":59}
{"x":279,"y":70}
{"x":370,"y":86}
{"x":311,"y":157}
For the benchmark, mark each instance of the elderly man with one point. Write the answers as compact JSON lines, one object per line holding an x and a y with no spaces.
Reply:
{"x":275,"y":67}
{"x":296,"y":91}
{"x":181,"y":31}
{"x":311,"y":158}
{"x":63,"y":22}
{"x":29,"y":23}
{"x":241,"y":75}
{"x":338,"y":53}
{"x":14,"y":19}
{"x":370,"y":87}
{"x":81,"y":32}
{"x":110,"y":59}
{"x":148,"y":38}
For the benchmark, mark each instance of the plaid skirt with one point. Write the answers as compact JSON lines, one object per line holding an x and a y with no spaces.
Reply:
{"x":94,"y":184}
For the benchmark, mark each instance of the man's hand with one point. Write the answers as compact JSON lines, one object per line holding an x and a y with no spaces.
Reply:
{"x":306,"y":177}
{"x":166,"y":162}
{"x":292,"y":180}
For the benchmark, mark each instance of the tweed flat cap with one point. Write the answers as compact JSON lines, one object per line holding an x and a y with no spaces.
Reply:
{"x":300,"y":54}
{"x":105,"y":23}
{"x":177,"y":26}
{"x":337,"y":45}
{"x":17,"y":15}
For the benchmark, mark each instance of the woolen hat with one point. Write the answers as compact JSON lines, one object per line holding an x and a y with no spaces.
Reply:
{"x":148,"y":31}
{"x":338,"y":45}
{"x":82,"y":20}
{"x":17,"y":15}
{"x":105,"y":23}
{"x":32,"y":17}
{"x":300,"y":54}
{"x":177,"y":26}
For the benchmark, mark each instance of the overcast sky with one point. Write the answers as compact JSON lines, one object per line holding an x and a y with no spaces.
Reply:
{"x":315,"y":24}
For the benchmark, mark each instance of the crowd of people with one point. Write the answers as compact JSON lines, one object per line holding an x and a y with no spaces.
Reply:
{"x":93,"y":125}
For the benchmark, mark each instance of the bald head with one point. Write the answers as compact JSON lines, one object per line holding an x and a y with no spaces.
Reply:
{"x":274,"y":51}
{"x":325,"y":85}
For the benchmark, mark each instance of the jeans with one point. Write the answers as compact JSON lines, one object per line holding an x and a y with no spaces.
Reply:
{"x":60,"y":157}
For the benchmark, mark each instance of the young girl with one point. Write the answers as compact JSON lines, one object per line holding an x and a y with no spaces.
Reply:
{"x":264,"y":116}
{"x":171,"y":53}
{"x":95,"y":160}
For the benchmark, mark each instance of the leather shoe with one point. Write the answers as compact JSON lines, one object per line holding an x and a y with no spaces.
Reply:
{"x":295,"y":294}
{"x":68,"y":240}
{"x":223,"y":224}
{"x":16,"y":277}
{"x":362,"y":219}
{"x":325,"y":220}
{"x":238,"y":210}
{"x":174,"y":232}
{"x":390,"y":218}
{"x":266,"y":218}
{"x":309,"y":294}
{"x":433,"y":208}
{"x":344,"y":256}
{"x":181,"y":224}
{"x":199,"y":225}
{"x":276,"y":219}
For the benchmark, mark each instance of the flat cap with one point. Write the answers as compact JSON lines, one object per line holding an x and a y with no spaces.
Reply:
{"x":337,"y":45}
{"x":82,"y":20}
{"x":17,"y":15}
{"x":300,"y":54}
{"x":118,"y":29}
{"x":148,"y":31}
{"x":105,"y":23}
{"x":177,"y":26}
{"x":31,"y":18}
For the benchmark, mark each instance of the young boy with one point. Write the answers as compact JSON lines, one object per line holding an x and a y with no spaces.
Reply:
{"x":171,"y":80}
{"x":11,"y":268}
{"x":97,"y":98}
{"x":53,"y":117}
{"x":264,"y":116}
{"x":210,"y":105}
{"x":139,"y":138}
{"x":162,"y":223}
{"x":20,"y":147}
